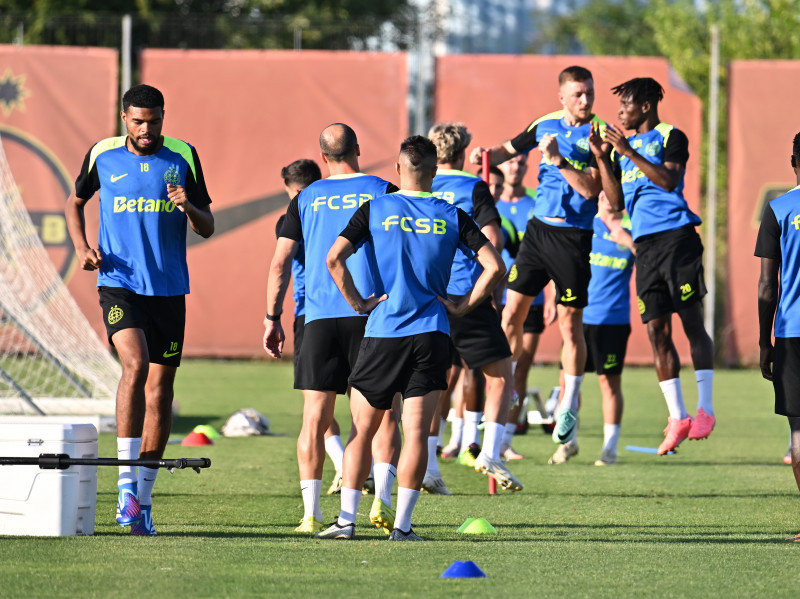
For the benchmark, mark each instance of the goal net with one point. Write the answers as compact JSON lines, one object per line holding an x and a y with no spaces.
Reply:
{"x":51,"y":360}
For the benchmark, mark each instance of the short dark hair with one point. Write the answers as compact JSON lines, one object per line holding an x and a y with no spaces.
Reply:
{"x":640,"y":90}
{"x":338,"y":147}
{"x":143,"y":96}
{"x":574,"y":73}
{"x":419,"y":151}
{"x":796,"y":147}
{"x":301,"y":172}
{"x":493,"y":170}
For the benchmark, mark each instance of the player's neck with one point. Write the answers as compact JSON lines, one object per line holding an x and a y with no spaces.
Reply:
{"x":450,"y":166}
{"x":573,"y":121}
{"x":343,"y":168}
{"x":513,"y":193}
{"x":648,"y":124}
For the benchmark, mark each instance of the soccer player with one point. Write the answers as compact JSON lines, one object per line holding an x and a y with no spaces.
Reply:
{"x":516,"y":203}
{"x":150,"y":187}
{"x":477,"y":336}
{"x":410,"y":238}
{"x":558,"y":238}
{"x":296,"y":177}
{"x":333,"y":331}
{"x":778,"y":246}
{"x":645,"y":176}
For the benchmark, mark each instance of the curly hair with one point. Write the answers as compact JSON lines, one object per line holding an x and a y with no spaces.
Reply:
{"x":450,"y":138}
{"x":142,"y":96}
{"x":640,"y":90}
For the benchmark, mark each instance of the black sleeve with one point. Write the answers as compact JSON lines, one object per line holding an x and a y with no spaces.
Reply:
{"x":525,"y":140}
{"x":279,"y":225}
{"x":768,"y":242}
{"x":484,"y":210}
{"x":196,"y":184}
{"x":616,"y":167}
{"x":292,"y":226}
{"x":469,"y":233}
{"x":391,"y":188}
{"x":358,"y":227}
{"x":88,"y":181}
{"x":677,"y":147}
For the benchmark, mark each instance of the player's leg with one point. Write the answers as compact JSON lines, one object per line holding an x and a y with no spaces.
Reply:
{"x":386,"y":452}
{"x":452,"y":395}
{"x":702,"y":349}
{"x":335,"y":451}
{"x":794,"y":426}
{"x":318,"y":409}
{"x":522,"y":367}
{"x":573,"y":360}
{"x":514,"y":314}
{"x":433,"y":482}
{"x":473,"y":394}
{"x":611,"y":391}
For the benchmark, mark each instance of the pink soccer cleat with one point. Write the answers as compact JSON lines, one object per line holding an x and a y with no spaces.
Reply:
{"x":676,"y":431}
{"x":703,"y":425}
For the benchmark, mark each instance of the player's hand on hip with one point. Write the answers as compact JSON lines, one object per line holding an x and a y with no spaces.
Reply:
{"x":274,"y":338}
{"x":372,"y":302}
{"x":455,"y":308}
{"x":177,"y":195}
{"x":91,"y":259}
{"x":765,"y":361}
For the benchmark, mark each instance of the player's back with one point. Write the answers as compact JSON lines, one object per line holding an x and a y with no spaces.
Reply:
{"x":609,"y":287}
{"x":325,"y":207}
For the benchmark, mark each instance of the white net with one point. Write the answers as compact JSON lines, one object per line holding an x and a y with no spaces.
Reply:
{"x":51,"y":360}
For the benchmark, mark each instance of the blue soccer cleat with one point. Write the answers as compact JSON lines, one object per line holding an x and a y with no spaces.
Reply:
{"x":566,"y":425}
{"x":128,"y":510}
{"x":144,"y":527}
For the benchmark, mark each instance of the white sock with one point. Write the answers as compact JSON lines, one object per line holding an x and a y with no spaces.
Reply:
{"x":147,"y":478}
{"x":311,"y":490}
{"x":406,"y":501}
{"x":384,"y":475}
{"x":442,"y":426}
{"x":350,"y":500}
{"x":128,"y":449}
{"x":335,"y":451}
{"x":470,"y":434}
{"x":508,"y":433}
{"x":456,"y":428}
{"x":433,"y":462}
{"x":674,"y":396}
{"x":610,"y":437}
{"x":492,"y":438}
{"x":705,"y":380}
{"x":572,"y":389}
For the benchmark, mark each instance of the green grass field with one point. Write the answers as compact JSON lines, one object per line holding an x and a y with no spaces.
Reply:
{"x":707,"y":522}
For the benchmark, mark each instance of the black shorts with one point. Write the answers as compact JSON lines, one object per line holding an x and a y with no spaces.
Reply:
{"x":606,"y":346}
{"x":560,"y":254}
{"x":478,"y":336}
{"x":412,"y":366}
{"x":669,"y":272}
{"x":534,"y":321}
{"x":786,"y":376}
{"x":328,"y":353}
{"x":162,"y":318}
{"x":299,"y":328}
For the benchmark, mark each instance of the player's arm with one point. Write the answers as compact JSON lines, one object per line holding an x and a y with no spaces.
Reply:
{"x":486,"y":215}
{"x":493,"y":267}
{"x":344,"y":247}
{"x":586,"y":182}
{"x":767,"y":305}
{"x":609,"y":179}
{"x":87,"y":183}
{"x":193,"y":200}
{"x":280,"y":271}
{"x":667,"y":175}
{"x":497,"y":154}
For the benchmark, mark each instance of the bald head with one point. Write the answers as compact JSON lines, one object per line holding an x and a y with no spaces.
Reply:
{"x":416,"y":163}
{"x":338,"y":142}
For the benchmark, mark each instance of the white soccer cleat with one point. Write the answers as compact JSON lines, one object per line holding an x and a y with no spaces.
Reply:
{"x":434,"y":485}
{"x":564,"y":453}
{"x":497,"y":470}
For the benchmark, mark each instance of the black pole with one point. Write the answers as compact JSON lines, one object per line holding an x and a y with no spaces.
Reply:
{"x":61,"y":461}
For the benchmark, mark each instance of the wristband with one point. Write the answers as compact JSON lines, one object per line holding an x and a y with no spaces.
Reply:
{"x":274,"y":318}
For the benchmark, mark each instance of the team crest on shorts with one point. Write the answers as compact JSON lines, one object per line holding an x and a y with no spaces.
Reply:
{"x":512,"y":274}
{"x":641,"y":305}
{"x":115,"y":314}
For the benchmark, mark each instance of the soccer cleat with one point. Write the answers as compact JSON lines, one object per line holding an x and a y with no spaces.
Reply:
{"x":794,"y":539}
{"x":468,"y":456}
{"x":606,"y":459}
{"x":335,"y":531}
{"x":566,"y":425}
{"x":144,"y":527}
{"x":677,"y":430}
{"x":449,"y":452}
{"x":309,"y":524}
{"x":434,"y":485}
{"x":508,"y":453}
{"x":399,"y":535}
{"x":369,"y":486}
{"x":702,"y":426}
{"x":128,"y":509}
{"x":787,"y":459}
{"x":497,"y":470}
{"x":564,"y":453}
{"x":336,"y":484}
{"x":381,"y":515}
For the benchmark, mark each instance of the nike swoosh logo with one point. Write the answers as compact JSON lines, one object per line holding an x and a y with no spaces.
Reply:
{"x":686,"y":296}
{"x":170,"y":354}
{"x":608,"y":365}
{"x":569,"y":299}
{"x":118,"y":177}
{"x":149,"y":480}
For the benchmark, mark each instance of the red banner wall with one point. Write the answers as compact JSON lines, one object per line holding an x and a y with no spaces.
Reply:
{"x":249,"y":113}
{"x":55,"y":102}
{"x":760,"y":134}
{"x":497,"y":96}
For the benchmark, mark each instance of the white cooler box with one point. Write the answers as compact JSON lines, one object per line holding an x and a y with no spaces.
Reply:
{"x":54,"y":503}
